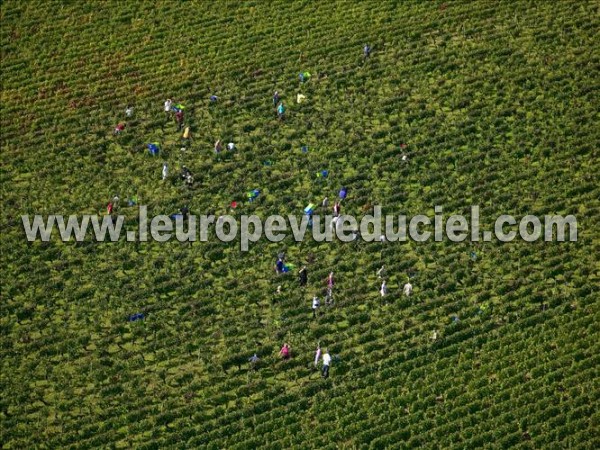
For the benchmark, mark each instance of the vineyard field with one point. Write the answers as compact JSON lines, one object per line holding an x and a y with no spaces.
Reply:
{"x":460,"y":103}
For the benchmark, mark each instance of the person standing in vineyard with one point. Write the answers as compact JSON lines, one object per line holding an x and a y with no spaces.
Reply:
{"x":317,"y":354}
{"x":330,"y":281}
{"x":315,"y":306}
{"x":168,"y":104}
{"x":218,"y":147}
{"x":384,"y":290}
{"x":276,"y":98}
{"x":187,"y":135}
{"x":285,"y":352}
{"x":337,"y":209}
{"x":129,"y":111}
{"x":189,"y":180}
{"x":185,"y":212}
{"x":165,"y":171}
{"x":303,"y":276}
{"x":407,"y":289}
{"x":179,"y":119}
{"x":280,"y":111}
{"x":279,"y":266}
{"x":366,"y":51}
{"x":326,"y":363}
{"x":119,"y":128}
{"x":254,"y":361}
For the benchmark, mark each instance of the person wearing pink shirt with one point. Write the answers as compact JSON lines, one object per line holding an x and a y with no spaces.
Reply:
{"x":285,"y":352}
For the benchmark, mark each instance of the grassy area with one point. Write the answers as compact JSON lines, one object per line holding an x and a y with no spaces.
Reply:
{"x":496,"y":104}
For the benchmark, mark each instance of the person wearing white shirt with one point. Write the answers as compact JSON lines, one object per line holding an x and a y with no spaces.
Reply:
{"x":381,"y":272}
{"x":384,"y":290}
{"x":165,"y":171}
{"x":168,"y":104}
{"x":326,"y":362}
{"x":129,"y":111}
{"x":254,"y":361}
{"x":408,"y":289}
{"x":315,"y":305}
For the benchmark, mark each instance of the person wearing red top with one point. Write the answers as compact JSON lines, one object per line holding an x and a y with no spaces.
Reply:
{"x":109,"y":208}
{"x":337,"y":208}
{"x":179,"y":119}
{"x":120,"y":127}
{"x":285,"y":351}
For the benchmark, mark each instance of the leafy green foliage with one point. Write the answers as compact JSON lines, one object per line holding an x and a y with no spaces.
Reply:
{"x":497,"y":104}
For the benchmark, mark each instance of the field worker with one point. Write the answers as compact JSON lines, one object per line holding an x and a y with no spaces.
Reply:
{"x":434,"y":335}
{"x":279,"y":266}
{"x":187,"y":134}
{"x":337,"y":208}
{"x":326,"y":362}
{"x":303,"y":276}
{"x":168,"y":104}
{"x":381,"y":272}
{"x":189,"y":180}
{"x":115,"y":201}
{"x":253,"y":361}
{"x":285,"y":352}
{"x":300,"y":98}
{"x":315,"y":306}
{"x":325,"y":203}
{"x":275,"y":98}
{"x":179,"y":119}
{"x":231,"y":146}
{"x":218,"y":146}
{"x":184,"y":172}
{"x":384,"y":290}
{"x":407,"y":289}
{"x":109,"y":208}
{"x":330,"y":281}
{"x":366,"y":51}
{"x":129,"y":111}
{"x":185,"y":211}
{"x":280,"y":110}
{"x":317,"y":355}
{"x":119,"y":128}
